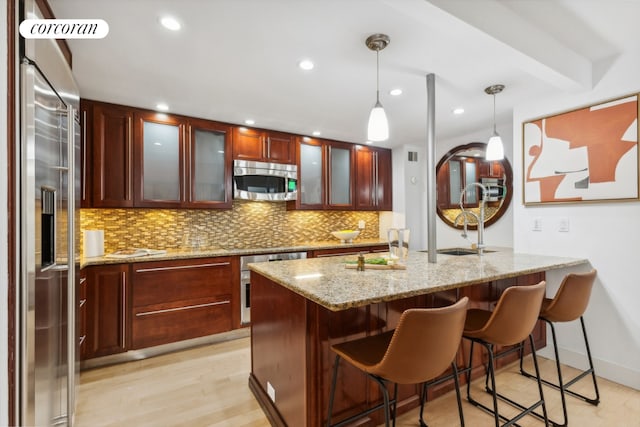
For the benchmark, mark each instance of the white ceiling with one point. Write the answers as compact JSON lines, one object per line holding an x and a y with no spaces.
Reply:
{"x":237,"y":59}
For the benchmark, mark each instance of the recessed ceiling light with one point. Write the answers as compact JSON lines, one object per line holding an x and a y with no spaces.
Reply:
{"x":157,"y":143}
{"x":170,"y":23}
{"x":306,"y":64}
{"x":162,"y":107}
{"x":316,"y":133}
{"x":250,"y":122}
{"x":395,"y":92}
{"x":458,"y":110}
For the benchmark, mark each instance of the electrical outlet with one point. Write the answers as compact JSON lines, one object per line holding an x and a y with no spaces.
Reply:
{"x":271,"y":392}
{"x":536,"y":224}
{"x":361,"y":224}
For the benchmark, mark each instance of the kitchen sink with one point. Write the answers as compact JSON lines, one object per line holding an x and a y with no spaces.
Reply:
{"x":460,"y":251}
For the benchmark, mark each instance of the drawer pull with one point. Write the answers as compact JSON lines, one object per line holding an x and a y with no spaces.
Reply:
{"x":83,"y":280}
{"x":182,"y":267}
{"x":82,"y":302}
{"x":188,"y":307}
{"x":342,"y":254}
{"x":81,"y":340}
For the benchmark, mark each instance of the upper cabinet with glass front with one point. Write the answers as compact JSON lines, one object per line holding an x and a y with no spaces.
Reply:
{"x":181,"y":162}
{"x":325,"y":175}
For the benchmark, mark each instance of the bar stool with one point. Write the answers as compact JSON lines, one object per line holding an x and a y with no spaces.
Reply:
{"x":569,"y":303}
{"x":421,"y":347}
{"x":510,"y":323}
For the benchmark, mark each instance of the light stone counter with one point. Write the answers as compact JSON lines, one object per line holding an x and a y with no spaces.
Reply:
{"x":176,"y":254}
{"x":328,"y":283}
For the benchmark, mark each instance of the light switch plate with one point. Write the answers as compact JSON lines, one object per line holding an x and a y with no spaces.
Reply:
{"x":563,"y":225}
{"x":271,"y":392}
{"x":536,"y":224}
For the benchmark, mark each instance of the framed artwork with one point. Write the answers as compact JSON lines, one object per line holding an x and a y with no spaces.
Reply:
{"x":589,"y":154}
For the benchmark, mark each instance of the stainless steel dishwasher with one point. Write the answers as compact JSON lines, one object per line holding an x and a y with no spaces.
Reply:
{"x":245,"y":278}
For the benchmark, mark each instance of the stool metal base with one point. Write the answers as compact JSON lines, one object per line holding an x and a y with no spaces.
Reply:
{"x":492,"y":388}
{"x":423,"y":395}
{"x":561,"y":386}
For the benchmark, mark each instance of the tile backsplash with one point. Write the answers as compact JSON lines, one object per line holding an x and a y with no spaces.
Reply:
{"x":248,"y":224}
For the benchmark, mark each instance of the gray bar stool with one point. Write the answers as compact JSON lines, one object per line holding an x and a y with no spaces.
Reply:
{"x":510,"y":323}
{"x":569,"y":304}
{"x":421,"y":347}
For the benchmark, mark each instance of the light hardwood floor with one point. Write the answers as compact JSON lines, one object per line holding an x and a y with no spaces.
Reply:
{"x":207,"y":386}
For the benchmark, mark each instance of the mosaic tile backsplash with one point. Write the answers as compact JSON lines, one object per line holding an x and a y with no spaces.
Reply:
{"x":247,"y":225}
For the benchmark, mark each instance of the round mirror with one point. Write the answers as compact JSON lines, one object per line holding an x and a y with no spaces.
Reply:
{"x":455,"y":174}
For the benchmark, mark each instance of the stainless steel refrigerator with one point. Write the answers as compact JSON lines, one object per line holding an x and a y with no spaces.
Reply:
{"x":49,"y":214}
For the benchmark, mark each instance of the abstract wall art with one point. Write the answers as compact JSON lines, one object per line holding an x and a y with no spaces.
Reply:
{"x":588,"y":154}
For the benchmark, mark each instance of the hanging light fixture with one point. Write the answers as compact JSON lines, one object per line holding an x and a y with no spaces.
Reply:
{"x":495,"y":148}
{"x":378,"y":128}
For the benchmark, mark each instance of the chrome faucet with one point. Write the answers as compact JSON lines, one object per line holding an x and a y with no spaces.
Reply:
{"x":464,"y":214}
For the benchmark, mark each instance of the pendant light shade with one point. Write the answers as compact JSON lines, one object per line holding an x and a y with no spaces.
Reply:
{"x":378,"y":127}
{"x":495,"y":147}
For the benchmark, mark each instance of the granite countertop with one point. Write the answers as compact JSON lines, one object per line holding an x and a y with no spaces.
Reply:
{"x":328,"y":283}
{"x":175,"y":254}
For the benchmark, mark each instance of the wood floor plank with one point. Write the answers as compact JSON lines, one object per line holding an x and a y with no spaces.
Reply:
{"x":208,"y":386}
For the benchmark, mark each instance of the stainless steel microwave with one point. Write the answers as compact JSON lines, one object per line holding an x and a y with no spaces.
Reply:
{"x":272,"y":182}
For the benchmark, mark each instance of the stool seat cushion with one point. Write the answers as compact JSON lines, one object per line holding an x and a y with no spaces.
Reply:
{"x":365,"y":352}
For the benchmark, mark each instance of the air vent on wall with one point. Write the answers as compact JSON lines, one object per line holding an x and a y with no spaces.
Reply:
{"x":413,"y":156}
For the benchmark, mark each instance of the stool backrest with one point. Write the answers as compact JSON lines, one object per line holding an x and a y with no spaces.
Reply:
{"x":515,"y":315}
{"x":572,"y":298}
{"x":424,"y":344}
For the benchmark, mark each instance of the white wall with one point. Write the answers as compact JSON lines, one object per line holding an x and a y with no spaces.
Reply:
{"x":409,"y":195}
{"x":605,"y":233}
{"x":4,"y":277}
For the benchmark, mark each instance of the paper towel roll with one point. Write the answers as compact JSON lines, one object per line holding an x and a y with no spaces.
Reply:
{"x":93,"y":243}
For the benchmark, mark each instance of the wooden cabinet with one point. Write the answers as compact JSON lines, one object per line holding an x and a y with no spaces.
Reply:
{"x":178,"y":300}
{"x":111,"y":149}
{"x":325,"y":171}
{"x":106,"y":313}
{"x":159,"y":160}
{"x":373,"y":179}
{"x":144,"y":304}
{"x":86,"y":139}
{"x":351,"y":250}
{"x":263,"y":146}
{"x":181,"y":162}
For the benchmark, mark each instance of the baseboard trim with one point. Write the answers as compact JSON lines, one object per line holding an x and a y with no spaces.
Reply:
{"x":604,"y":369}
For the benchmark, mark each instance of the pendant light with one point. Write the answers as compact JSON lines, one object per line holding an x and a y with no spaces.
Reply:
{"x":495,"y":148}
{"x":378,"y":128}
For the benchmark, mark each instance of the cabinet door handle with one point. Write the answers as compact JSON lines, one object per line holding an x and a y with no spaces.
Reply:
{"x":83,"y":280}
{"x":186,"y":307}
{"x":375,"y":166}
{"x":124,"y":308}
{"x":182,"y":267}
{"x":268,"y":147}
{"x":342,"y":254}
{"x":84,"y":155}
{"x":81,"y":340}
{"x":82,"y":302}
{"x":130,"y":157}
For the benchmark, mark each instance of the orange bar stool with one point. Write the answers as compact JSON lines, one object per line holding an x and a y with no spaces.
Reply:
{"x":421,"y":347}
{"x":569,"y":304}
{"x":510,"y":323}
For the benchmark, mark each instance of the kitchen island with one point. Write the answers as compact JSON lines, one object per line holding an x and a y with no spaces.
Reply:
{"x":302,"y":307}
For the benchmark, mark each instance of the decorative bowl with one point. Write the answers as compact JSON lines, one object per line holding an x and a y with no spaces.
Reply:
{"x":346,"y":236}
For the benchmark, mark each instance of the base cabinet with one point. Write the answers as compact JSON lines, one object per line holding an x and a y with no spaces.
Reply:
{"x":106,"y":313}
{"x":352,"y":250}
{"x":143,"y":304}
{"x":178,"y":300}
